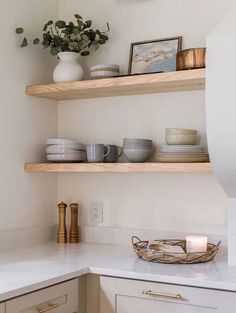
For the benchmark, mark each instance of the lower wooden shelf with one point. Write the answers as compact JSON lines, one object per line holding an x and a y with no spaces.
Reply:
{"x":118,"y":167}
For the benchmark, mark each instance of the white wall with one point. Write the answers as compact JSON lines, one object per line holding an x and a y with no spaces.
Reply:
{"x":191,"y":203}
{"x":26,"y":200}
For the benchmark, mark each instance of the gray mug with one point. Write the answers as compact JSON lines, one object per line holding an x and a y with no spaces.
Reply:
{"x":95,"y":153}
{"x":113,"y":155}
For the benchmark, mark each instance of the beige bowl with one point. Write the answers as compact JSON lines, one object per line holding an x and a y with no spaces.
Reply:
{"x":180,"y":131}
{"x":181,"y":139}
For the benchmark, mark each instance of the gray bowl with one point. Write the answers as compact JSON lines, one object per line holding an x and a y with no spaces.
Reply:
{"x":137,"y":155}
{"x":137,"y":141}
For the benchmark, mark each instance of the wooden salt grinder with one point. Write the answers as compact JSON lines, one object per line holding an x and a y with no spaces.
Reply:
{"x":61,"y":232}
{"x":74,"y":230}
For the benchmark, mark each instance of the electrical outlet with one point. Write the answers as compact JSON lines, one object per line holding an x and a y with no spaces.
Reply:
{"x":96,"y":212}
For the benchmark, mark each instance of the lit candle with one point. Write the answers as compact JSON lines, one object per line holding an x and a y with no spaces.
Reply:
{"x":196,"y":244}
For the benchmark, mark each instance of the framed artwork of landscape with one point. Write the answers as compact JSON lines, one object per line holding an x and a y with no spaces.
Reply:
{"x":154,"y":56}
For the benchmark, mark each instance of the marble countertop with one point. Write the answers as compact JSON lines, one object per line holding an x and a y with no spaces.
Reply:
{"x":30,"y":269}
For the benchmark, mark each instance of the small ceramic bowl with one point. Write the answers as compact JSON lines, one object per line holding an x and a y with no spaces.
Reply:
{"x":137,"y":141}
{"x":137,"y":155}
{"x":105,"y":67}
{"x":181,"y":139}
{"x":180,"y":131}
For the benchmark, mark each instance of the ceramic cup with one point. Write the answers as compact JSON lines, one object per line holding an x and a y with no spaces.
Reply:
{"x":113,"y":155}
{"x":95,"y":153}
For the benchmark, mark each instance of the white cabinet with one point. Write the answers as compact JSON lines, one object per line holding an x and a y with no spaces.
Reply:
{"x":62,"y":298}
{"x":129,"y":296}
{"x":2,"y":308}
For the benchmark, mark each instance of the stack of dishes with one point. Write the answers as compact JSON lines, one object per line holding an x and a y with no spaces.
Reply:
{"x":63,"y":150}
{"x":181,"y":147}
{"x":104,"y":71}
{"x":136,"y":149}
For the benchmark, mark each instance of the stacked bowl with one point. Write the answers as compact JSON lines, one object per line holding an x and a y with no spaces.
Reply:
{"x":181,"y":147}
{"x":104,"y":71}
{"x":179,"y":136}
{"x":137,"y":149}
{"x":64,"y":150}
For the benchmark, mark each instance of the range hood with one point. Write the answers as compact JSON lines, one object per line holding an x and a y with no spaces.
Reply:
{"x":221,"y":114}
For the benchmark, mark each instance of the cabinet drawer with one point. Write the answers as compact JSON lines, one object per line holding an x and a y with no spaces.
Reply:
{"x":62,"y":298}
{"x":2,"y":308}
{"x":128,"y":296}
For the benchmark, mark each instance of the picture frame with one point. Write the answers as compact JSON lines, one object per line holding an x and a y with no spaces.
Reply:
{"x":154,"y":56}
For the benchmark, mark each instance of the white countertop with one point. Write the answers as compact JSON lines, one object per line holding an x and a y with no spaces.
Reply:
{"x":27,"y":270}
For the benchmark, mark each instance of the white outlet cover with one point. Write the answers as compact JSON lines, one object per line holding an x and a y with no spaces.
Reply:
{"x":96,"y":212}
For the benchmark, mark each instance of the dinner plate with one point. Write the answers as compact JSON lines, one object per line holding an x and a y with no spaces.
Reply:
{"x":66,"y":157}
{"x":54,"y":149}
{"x":183,"y":158}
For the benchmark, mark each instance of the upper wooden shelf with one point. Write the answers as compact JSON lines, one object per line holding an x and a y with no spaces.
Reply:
{"x":122,"y":86}
{"x":119,"y":167}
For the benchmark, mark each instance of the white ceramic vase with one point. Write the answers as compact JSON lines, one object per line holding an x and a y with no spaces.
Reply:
{"x":68,"y":69}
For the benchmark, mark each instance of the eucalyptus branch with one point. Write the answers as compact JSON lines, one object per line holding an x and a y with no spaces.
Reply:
{"x":74,"y":37}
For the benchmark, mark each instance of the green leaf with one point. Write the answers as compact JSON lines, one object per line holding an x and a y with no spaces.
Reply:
{"x":36,"y":41}
{"x":84,"y":53}
{"x":78,"y":17}
{"x":76,"y":31}
{"x":19,"y":30}
{"x":54,"y":51}
{"x":71,"y":24}
{"x":49,"y":22}
{"x":88,"y":23}
{"x":24,"y":43}
{"x":104,"y":37}
{"x":101,"y":41}
{"x":60,"y":24}
{"x":80,"y":23}
{"x":73,"y":46}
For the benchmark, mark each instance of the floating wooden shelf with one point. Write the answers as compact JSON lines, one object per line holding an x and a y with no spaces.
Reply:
{"x":122,"y":86}
{"x":119,"y":167}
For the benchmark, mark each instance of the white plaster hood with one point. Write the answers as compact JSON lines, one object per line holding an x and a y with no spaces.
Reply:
{"x":221,"y":114}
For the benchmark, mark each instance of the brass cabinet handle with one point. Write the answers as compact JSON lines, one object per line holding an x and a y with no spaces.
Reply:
{"x":162,"y":295}
{"x":50,"y":306}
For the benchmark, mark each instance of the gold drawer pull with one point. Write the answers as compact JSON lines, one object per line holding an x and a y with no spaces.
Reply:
{"x":162,"y":295}
{"x":51,"y":306}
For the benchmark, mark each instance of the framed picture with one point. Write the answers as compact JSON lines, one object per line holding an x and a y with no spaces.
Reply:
{"x":154,"y":56}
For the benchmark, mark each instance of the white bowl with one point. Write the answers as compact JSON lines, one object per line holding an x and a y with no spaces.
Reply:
{"x":66,"y":157}
{"x":137,"y":155}
{"x":138,"y":141}
{"x":62,"y":150}
{"x":99,"y":74}
{"x":105,"y":67}
{"x":181,"y":139}
{"x":180,"y":131}
{"x":72,"y":146}
{"x":59,"y":141}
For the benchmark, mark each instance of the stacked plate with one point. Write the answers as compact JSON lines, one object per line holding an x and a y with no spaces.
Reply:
{"x":104,"y":71}
{"x":181,"y":147}
{"x":63,"y":150}
{"x":137,"y":149}
{"x":182,"y":154}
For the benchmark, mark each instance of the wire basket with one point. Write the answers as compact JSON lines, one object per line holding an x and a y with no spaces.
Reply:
{"x":149,"y":253}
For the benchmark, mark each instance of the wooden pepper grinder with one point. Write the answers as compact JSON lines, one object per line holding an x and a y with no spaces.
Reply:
{"x":74,"y":229}
{"x":61,"y":232}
